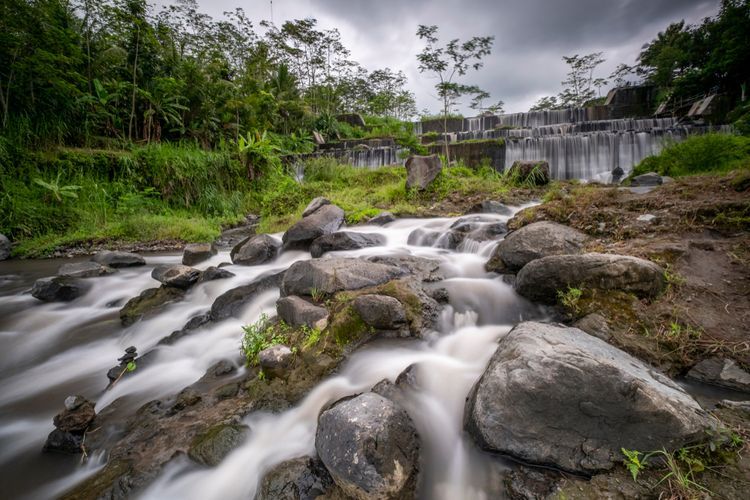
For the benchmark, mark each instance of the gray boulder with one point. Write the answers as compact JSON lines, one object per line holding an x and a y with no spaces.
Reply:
{"x":4,"y":247}
{"x":382,"y":218}
{"x":325,"y":220}
{"x":422,"y":170}
{"x":493,"y":207}
{"x":721,"y":372}
{"x":276,"y":360}
{"x":231,"y":302}
{"x":540,"y":279}
{"x":177,"y":276}
{"x":195,"y":253}
{"x":314,"y":205}
{"x":119,"y":259}
{"x":648,"y":179}
{"x":212,"y":446}
{"x":328,"y":276}
{"x":255,"y":250}
{"x":302,"y":478}
{"x":149,"y":303}
{"x":58,"y":289}
{"x":380,"y":311}
{"x":534,"y":172}
{"x":296,"y":311}
{"x":370,"y":447}
{"x":84,"y":270}
{"x":537,"y":240}
{"x":345,"y":240}
{"x":215,"y":273}
{"x":556,"y":396}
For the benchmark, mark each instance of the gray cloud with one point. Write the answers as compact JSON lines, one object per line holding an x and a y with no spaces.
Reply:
{"x":531,"y":36}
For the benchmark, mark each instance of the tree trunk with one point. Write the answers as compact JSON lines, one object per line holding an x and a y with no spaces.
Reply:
{"x":445,"y":133}
{"x":135,"y":72}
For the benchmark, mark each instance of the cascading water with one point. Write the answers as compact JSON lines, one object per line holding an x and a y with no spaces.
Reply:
{"x":49,"y":351}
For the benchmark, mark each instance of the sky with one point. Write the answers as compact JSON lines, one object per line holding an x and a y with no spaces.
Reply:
{"x":531,"y":36}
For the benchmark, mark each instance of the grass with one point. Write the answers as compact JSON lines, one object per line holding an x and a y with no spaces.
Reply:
{"x":261,"y":335}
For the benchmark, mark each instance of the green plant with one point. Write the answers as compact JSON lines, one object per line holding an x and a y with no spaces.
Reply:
{"x":317,"y":294}
{"x":131,"y":366}
{"x":312,"y":336}
{"x":259,"y":153}
{"x":633,"y":462}
{"x":59,"y":192}
{"x":570,"y":298}
{"x":259,"y":336}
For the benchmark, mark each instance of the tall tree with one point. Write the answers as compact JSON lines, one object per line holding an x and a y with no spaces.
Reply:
{"x":578,"y":87}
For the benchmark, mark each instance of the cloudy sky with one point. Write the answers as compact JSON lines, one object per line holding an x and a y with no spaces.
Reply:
{"x":531,"y":36}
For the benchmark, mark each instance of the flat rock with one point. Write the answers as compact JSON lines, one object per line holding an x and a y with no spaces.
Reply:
{"x":212,"y":446}
{"x":534,"y":241}
{"x":325,"y":220}
{"x":196,"y":253}
{"x":421,"y":171}
{"x":382,"y":218}
{"x":255,"y":250}
{"x":314,"y":205}
{"x":557,"y":396}
{"x":380,"y":311}
{"x":345,"y":240}
{"x":58,"y":289}
{"x":178,"y":276}
{"x":370,"y":447}
{"x":540,"y":279}
{"x":296,"y":311}
{"x":721,"y":372}
{"x":119,"y":259}
{"x":303,"y":478}
{"x":329,"y":276}
{"x":84,"y":270}
{"x":648,"y":179}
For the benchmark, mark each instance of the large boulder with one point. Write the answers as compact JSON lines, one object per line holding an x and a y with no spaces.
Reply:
{"x":212,"y":446}
{"x":87,"y":269}
{"x":721,"y":372}
{"x":177,"y":276}
{"x":325,"y":220}
{"x":215,"y":273}
{"x":647,"y":179}
{"x":328,"y":276}
{"x":231,"y":302}
{"x":537,"y":240}
{"x":345,"y":240}
{"x":4,"y":247}
{"x":380,"y":311}
{"x":554,"y":395}
{"x":370,"y":447}
{"x":422,"y":170}
{"x":302,"y":478}
{"x":541,"y":279}
{"x":314,"y":205}
{"x":58,"y":289}
{"x":149,"y":303}
{"x":255,"y":250}
{"x":196,"y":253}
{"x":119,"y":259}
{"x":296,"y":311}
{"x":530,"y":171}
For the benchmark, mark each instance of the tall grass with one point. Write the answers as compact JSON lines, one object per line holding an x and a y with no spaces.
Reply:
{"x":709,"y":153}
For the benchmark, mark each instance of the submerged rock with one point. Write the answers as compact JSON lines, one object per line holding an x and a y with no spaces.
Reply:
{"x":325,"y":220}
{"x":314,"y":205}
{"x":211,"y":447}
{"x":370,"y":447}
{"x":421,"y":171}
{"x":296,"y":311}
{"x":328,"y":276}
{"x":58,"y":289}
{"x":119,"y":259}
{"x":540,"y":279}
{"x":196,"y":253}
{"x":303,"y":478}
{"x":721,"y":372}
{"x":84,"y":270}
{"x":534,"y":241}
{"x":255,"y":250}
{"x":492,"y":207}
{"x":345,"y":240}
{"x":576,"y":402}
{"x":178,"y":276}
{"x":150,"y":302}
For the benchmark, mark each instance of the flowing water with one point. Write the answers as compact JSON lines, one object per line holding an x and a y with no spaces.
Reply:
{"x":50,"y":351}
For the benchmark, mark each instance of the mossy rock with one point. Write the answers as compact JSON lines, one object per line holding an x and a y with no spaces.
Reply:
{"x":212,"y":446}
{"x":111,"y":482}
{"x":149,"y":303}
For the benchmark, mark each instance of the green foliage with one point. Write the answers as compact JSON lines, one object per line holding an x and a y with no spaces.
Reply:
{"x":131,"y":366}
{"x":709,"y":153}
{"x":261,"y":335}
{"x":633,"y":462}
{"x":58,"y":192}
{"x":570,"y":298}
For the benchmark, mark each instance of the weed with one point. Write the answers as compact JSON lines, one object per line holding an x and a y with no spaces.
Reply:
{"x":570,"y":298}
{"x":633,"y":462}
{"x":261,"y":335}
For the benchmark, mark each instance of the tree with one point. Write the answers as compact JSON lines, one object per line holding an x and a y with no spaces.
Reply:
{"x":478,"y":101}
{"x":448,"y":63}
{"x":546,"y":103}
{"x":578,"y":87}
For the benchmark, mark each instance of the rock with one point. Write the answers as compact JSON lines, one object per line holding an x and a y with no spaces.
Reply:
{"x":77,"y":418}
{"x":4,"y":247}
{"x":537,"y":240}
{"x":740,"y":406}
{"x":431,"y":238}
{"x":231,"y":302}
{"x":229,"y":238}
{"x":649,"y":179}
{"x":492,"y":207}
{"x":186,"y":398}
{"x":178,"y":276}
{"x":576,"y":402}
{"x":721,"y":372}
{"x":382,"y":218}
{"x":314,"y":205}
{"x":193,"y":324}
{"x":215,"y":273}
{"x":227,"y":391}
{"x":353,"y":119}
{"x":63,"y":442}
{"x":221,"y":368}
{"x":150,"y":302}
{"x":345,"y":240}
{"x":84,"y":270}
{"x":302,"y":478}
{"x":525,"y":483}
{"x":380,"y":311}
{"x":478,"y":228}
{"x":534,"y":172}
{"x":617,"y":175}
{"x":296,"y":311}
{"x":647,"y":218}
{"x":119,"y":259}
{"x":421,"y":268}
{"x":328,"y":276}
{"x":211,"y":447}
{"x":370,"y":447}
{"x":58,"y":289}
{"x":325,"y":220}
{"x":275,"y":360}
{"x":255,"y":250}
{"x":196,"y":253}
{"x":540,"y":279}
{"x":422,"y":170}
{"x":596,"y":325}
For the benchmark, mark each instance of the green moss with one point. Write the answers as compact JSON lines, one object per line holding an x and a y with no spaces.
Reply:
{"x":101,"y":484}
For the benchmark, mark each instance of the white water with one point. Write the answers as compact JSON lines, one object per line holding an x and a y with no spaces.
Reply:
{"x":49,"y":351}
